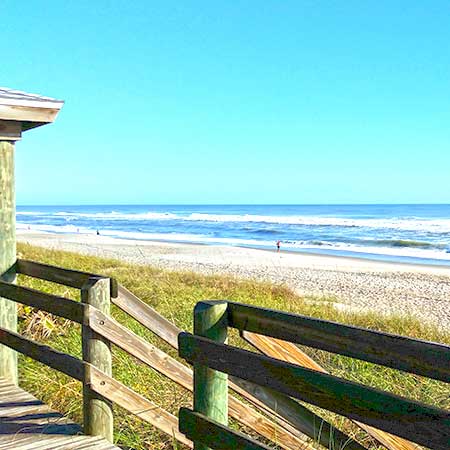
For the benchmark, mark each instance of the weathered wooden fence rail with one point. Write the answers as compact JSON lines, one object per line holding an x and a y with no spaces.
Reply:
{"x":213,"y":360}
{"x":99,"y":330}
{"x":289,"y":416}
{"x":270,"y":383}
{"x":289,"y":352}
{"x":59,"y":275}
{"x":94,"y":370}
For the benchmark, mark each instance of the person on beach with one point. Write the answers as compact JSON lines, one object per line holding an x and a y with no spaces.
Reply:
{"x":98,"y":233}
{"x":278,"y":245}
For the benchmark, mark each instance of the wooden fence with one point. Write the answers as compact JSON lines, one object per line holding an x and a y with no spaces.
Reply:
{"x":396,"y":421}
{"x":269,"y":386}
{"x":100,"y":390}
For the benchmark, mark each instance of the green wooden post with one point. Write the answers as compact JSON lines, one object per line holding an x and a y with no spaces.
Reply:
{"x":211,"y":386}
{"x":97,"y":410}
{"x":8,"y":309}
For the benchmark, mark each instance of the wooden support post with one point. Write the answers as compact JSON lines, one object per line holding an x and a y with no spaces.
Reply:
{"x":8,"y":308}
{"x":97,"y":410}
{"x":211,"y":386}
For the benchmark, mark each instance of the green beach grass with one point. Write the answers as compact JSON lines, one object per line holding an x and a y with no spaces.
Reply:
{"x":174,"y":294}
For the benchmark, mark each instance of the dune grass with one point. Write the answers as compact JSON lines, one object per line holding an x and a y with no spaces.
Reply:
{"x":174,"y":295}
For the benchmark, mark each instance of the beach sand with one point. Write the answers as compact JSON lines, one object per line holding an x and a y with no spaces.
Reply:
{"x":354,"y":284}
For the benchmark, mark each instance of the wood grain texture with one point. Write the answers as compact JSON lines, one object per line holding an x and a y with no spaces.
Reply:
{"x":97,"y":410}
{"x":265,"y":399}
{"x":280,"y":432}
{"x":8,"y":309}
{"x":67,"y":364}
{"x":28,"y":424}
{"x":214,"y":434}
{"x":102,"y":384}
{"x":59,"y":306}
{"x":428,"y":359}
{"x":60,"y":275}
{"x":146,"y":316}
{"x":286,"y":351}
{"x":411,"y":420}
{"x":211,"y":386}
{"x":135,"y":403}
{"x":300,"y":417}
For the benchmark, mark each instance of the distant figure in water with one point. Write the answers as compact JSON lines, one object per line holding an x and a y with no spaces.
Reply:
{"x":98,"y":233}
{"x":278,"y":245}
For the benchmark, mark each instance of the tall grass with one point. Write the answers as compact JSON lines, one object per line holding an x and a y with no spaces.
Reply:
{"x":174,"y":295}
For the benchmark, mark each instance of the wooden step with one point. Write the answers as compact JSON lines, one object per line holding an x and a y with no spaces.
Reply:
{"x":26,"y":423}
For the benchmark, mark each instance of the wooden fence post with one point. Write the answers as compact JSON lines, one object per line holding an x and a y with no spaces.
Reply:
{"x":8,"y":308}
{"x":211,"y":386}
{"x":97,"y":410}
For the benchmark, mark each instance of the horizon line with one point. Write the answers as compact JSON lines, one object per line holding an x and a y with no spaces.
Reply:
{"x":237,"y":204}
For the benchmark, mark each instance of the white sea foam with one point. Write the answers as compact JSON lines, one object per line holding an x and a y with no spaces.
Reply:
{"x":32,"y":213}
{"x":390,"y":251}
{"x":438,"y":225}
{"x":113,"y":215}
{"x":338,"y":247}
{"x":403,"y":224}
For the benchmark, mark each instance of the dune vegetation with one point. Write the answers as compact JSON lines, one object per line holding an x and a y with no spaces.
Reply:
{"x":174,"y":294}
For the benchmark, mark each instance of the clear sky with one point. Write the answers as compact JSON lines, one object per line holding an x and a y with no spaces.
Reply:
{"x":233,"y":101}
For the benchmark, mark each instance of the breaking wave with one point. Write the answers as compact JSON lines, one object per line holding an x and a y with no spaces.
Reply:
{"x":400,"y":224}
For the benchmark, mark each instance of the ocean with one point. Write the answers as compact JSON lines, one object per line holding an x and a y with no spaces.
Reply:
{"x":404,"y":233}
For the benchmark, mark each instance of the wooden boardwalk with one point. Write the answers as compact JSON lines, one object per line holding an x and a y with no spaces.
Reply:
{"x":28,"y":424}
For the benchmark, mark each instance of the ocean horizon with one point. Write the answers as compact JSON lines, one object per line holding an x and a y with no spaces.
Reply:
{"x":411,"y":233}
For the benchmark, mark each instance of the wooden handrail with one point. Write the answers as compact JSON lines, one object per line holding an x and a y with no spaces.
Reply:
{"x":99,"y":388}
{"x":95,"y":291}
{"x":289,"y":352}
{"x":299,"y":417}
{"x":71,"y":366}
{"x":139,"y":348}
{"x":409,"y":419}
{"x":211,"y":433}
{"x":108,"y":328}
{"x":423,"y":358}
{"x":286,"y":437}
{"x":135,"y":403}
{"x":430,"y":426}
{"x":60,"y":306}
{"x":97,"y":380}
{"x":146,"y":316}
{"x":112,"y":331}
{"x":279,"y":407}
{"x":67,"y":277}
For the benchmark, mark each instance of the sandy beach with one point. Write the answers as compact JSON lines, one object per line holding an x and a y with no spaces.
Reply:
{"x":355,"y":284}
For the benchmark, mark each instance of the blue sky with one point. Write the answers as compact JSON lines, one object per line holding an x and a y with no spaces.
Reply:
{"x":233,"y":101}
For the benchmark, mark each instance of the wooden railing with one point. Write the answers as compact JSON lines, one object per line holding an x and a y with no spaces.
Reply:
{"x":395,"y":421}
{"x":100,"y":330}
{"x":270,"y":408}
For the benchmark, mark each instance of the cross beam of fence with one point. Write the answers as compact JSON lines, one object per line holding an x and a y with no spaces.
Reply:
{"x":420,"y":423}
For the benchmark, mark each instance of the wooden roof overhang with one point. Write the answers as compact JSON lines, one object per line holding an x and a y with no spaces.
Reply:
{"x":20,"y":111}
